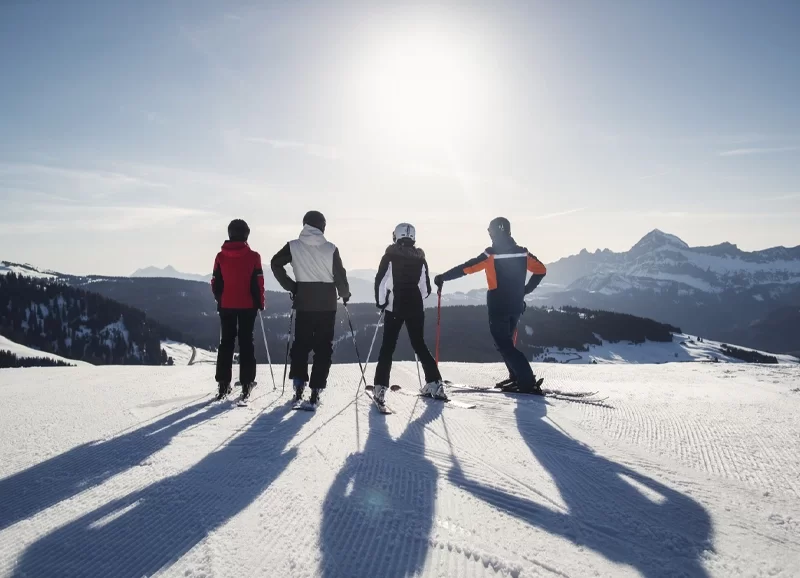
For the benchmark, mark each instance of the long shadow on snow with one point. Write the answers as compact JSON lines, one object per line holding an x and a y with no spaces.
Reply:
{"x":31,"y":491}
{"x":661,"y":535}
{"x":378,"y":514}
{"x":149,"y":530}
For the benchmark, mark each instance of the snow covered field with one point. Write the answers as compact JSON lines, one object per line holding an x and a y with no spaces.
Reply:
{"x":24,"y":351}
{"x":183,"y":354}
{"x":685,"y":470}
{"x":681,"y":348}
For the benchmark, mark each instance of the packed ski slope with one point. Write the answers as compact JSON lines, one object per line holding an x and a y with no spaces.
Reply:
{"x":684,"y":470}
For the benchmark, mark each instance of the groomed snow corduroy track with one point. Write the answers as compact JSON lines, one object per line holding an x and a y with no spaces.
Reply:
{"x":685,"y":470}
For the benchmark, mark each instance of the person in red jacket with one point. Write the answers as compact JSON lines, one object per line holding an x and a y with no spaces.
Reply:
{"x":238,"y":287}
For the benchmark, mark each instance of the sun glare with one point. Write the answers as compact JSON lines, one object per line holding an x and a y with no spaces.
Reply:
{"x":419,"y":85}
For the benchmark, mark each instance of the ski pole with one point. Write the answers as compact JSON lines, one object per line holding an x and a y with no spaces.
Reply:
{"x":355,"y":344}
{"x":369,"y":353}
{"x":438,"y":325}
{"x":266,"y":346}
{"x":288,"y":344}
{"x":419,"y":375}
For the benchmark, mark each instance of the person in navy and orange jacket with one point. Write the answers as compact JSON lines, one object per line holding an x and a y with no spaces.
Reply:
{"x":506,"y":265}
{"x":238,"y":287}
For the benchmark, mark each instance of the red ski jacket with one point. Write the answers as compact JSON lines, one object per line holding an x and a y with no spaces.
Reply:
{"x":238,"y":280}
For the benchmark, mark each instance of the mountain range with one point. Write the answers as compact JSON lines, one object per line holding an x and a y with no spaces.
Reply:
{"x":718,"y":292}
{"x":361,"y":284}
{"x":721,"y":291}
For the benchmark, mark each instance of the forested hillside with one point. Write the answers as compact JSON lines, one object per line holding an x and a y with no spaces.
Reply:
{"x":187,"y":306}
{"x":56,"y":318}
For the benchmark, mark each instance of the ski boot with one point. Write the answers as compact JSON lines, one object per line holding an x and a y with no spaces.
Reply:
{"x":514,"y":387}
{"x":224,"y":390}
{"x":299,"y":387}
{"x":380,"y":394}
{"x":434,"y":389}
{"x":314,"y":401}
{"x":501,"y":384}
{"x":247,"y":388}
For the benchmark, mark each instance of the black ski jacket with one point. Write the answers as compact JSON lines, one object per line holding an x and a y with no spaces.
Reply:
{"x":402,"y":281}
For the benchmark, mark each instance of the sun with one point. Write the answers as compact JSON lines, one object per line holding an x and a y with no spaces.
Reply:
{"x":419,"y":84}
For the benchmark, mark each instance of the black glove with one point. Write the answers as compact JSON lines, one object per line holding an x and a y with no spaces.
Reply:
{"x":346,"y":298}
{"x":439,"y":282}
{"x":382,"y":307}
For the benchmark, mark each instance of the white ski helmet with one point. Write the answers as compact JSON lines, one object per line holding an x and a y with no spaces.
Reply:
{"x":404,"y":231}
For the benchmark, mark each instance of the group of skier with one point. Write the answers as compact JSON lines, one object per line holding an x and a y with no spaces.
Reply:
{"x":401,"y":285}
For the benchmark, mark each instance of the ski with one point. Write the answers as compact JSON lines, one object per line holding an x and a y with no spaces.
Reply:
{"x":588,"y":400}
{"x":576,"y":394}
{"x":449,"y":401}
{"x":305,"y":406}
{"x":382,"y":407}
{"x":391,"y":387}
{"x":546,"y":392}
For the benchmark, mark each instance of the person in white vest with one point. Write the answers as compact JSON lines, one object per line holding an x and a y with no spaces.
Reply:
{"x":318,"y":276}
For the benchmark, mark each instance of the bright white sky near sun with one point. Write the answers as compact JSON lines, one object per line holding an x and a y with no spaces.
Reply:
{"x":131,"y":133}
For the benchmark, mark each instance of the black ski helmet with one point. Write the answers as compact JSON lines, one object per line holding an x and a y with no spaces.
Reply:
{"x":315,"y":219}
{"x":500,"y":227}
{"x":238,"y":230}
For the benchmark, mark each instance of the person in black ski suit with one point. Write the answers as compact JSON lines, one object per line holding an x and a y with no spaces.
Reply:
{"x":401,"y":284}
{"x":318,"y":275}
{"x":506,"y":265}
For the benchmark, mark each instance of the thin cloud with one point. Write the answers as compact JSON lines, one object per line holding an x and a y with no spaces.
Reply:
{"x":658,"y":174}
{"x":559,"y":214}
{"x":311,"y":149}
{"x":88,"y":178}
{"x":61,"y":218}
{"x":788,"y":197}
{"x":757,"y":151}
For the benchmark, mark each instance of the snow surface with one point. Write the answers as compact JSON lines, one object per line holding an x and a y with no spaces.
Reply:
{"x":183,"y":354}
{"x":23,"y":351}
{"x":685,"y":470}
{"x":681,"y":348}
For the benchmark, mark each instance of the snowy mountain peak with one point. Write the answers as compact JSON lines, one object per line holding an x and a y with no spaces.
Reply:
{"x":657,"y":238}
{"x":171,"y":272}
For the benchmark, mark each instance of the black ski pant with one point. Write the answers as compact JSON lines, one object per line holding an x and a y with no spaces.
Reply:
{"x":502,"y":327}
{"x":313,"y":331}
{"x":415,"y":325}
{"x":236,"y":323}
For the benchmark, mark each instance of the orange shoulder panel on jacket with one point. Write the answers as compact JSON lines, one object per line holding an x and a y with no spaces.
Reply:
{"x":535,"y":266}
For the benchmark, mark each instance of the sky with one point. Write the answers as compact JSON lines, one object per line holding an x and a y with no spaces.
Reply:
{"x":131,"y":133}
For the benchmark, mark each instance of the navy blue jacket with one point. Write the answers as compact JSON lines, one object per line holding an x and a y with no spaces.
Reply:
{"x":506,"y":265}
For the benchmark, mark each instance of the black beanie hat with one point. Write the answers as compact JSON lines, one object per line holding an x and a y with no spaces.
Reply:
{"x":315,"y":219}
{"x":238,"y":230}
